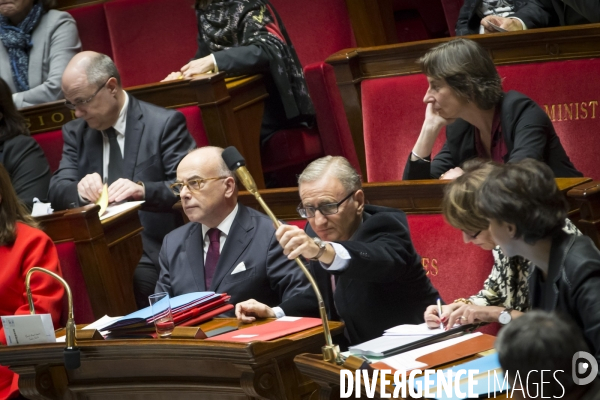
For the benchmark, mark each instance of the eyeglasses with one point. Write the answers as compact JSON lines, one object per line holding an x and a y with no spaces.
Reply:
{"x":73,"y":106}
{"x":472,"y":236}
{"x":193,"y":185}
{"x":325,"y":209}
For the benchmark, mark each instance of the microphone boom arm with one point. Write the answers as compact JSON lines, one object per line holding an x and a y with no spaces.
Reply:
{"x":331,"y":352}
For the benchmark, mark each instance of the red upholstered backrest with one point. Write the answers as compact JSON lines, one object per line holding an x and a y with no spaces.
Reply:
{"x":92,"y":28}
{"x":336,"y":138}
{"x":52,"y":144}
{"x":193,"y":117}
{"x":317,"y":28}
{"x":451,"y":11}
{"x":300,"y":223}
{"x":568,"y":88}
{"x":71,"y":272}
{"x":393,"y":112}
{"x":151,"y":38}
{"x":456,"y":269}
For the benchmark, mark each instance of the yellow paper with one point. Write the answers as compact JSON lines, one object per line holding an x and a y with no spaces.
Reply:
{"x":103,"y":200}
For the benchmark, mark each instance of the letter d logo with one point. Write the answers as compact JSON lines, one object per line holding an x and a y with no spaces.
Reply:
{"x":584,"y":364}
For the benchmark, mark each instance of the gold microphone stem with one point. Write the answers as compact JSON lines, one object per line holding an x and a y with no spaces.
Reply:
{"x":331,"y":352}
{"x":70,"y":328}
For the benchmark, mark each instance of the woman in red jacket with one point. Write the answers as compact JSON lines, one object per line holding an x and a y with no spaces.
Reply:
{"x":23,"y":246}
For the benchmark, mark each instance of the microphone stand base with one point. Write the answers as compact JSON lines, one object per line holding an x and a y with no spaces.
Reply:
{"x":331,"y":354}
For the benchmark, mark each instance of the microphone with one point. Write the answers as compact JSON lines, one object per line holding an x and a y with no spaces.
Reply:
{"x":236,"y":163}
{"x":71,"y":354}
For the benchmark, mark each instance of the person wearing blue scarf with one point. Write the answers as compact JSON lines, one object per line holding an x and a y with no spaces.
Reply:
{"x":35,"y":46}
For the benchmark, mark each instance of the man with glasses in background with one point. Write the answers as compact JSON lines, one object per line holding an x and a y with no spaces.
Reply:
{"x":361,"y":255}
{"x":131,"y":146}
{"x":227,"y":247}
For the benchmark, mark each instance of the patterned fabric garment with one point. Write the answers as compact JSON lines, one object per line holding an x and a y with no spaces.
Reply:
{"x":17,"y":41}
{"x":232,"y":23}
{"x":507,"y":284}
{"x":501,"y":8}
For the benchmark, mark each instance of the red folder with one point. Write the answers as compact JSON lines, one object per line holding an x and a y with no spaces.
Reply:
{"x":271,"y":330}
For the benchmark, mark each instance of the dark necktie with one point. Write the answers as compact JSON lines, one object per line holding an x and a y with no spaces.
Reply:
{"x":212,"y":256}
{"x":115,"y":160}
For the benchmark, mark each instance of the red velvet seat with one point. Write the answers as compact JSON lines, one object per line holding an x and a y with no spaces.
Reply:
{"x":393,"y":113}
{"x":71,"y":272}
{"x":568,"y":88}
{"x":451,"y":12}
{"x":92,"y":28}
{"x":150,"y":38}
{"x":456,"y":269}
{"x":52,"y":145}
{"x":330,"y":31}
{"x":193,"y":117}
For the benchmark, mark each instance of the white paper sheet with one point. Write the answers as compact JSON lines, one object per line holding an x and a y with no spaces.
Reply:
{"x":119,"y":208}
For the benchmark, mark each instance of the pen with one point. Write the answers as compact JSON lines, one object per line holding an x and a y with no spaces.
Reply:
{"x":439,"y":304}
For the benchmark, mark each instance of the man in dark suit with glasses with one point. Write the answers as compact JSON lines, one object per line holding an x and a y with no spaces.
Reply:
{"x":132,"y":146}
{"x":361,"y":255}
{"x":227,"y":247}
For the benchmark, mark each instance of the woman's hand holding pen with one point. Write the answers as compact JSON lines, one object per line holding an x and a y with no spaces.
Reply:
{"x":432,"y":317}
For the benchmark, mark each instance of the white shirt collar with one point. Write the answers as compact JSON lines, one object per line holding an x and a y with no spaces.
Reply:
{"x":225,"y":225}
{"x":121,"y":123}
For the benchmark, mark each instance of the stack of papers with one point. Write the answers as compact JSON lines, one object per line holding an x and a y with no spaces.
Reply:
{"x":187,"y":309}
{"x":398,"y":342}
{"x":412,"y":330}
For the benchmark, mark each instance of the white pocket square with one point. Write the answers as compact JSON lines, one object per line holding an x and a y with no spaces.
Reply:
{"x":240,"y":268}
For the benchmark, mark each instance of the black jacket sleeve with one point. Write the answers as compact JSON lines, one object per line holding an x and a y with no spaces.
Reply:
{"x":382,"y":250}
{"x":28,"y":168}
{"x":538,"y":14}
{"x":242,"y":60}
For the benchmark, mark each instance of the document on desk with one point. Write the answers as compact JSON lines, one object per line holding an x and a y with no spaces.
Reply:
{"x":115,"y":209}
{"x":424,"y":357}
{"x":389,"y":345}
{"x":412,"y":330}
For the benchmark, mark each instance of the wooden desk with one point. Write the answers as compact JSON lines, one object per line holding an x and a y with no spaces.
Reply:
{"x":169,"y":369}
{"x":232,"y":110}
{"x":108,"y":252}
{"x":412,"y":197}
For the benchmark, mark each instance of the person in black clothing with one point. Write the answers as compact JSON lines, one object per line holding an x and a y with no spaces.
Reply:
{"x":527,"y":212}
{"x":361,"y":255}
{"x":248,"y":37}
{"x":547,"y":13}
{"x":465,"y":96}
{"x":21,"y":155}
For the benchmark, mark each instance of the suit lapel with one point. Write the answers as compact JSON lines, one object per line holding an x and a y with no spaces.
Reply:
{"x":194,"y":250}
{"x":238,"y":239}
{"x":133,"y":137}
